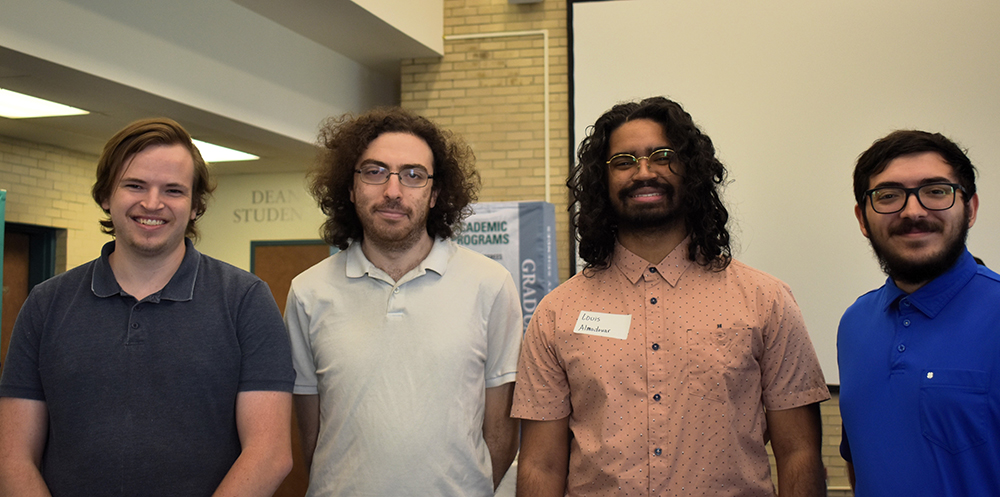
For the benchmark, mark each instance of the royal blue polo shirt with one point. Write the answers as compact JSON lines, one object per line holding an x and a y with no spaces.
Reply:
{"x":920,"y":386}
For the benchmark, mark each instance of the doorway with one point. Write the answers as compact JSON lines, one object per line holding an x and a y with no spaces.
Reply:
{"x":277,"y":263}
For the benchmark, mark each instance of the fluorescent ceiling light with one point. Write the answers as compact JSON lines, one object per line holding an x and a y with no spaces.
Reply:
{"x":14,"y":105}
{"x":217,"y":153}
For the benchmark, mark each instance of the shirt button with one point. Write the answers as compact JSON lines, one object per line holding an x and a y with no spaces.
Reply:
{"x":652,"y":270}
{"x":656,"y":397}
{"x":906,"y":322}
{"x":396,"y":290}
{"x":901,"y":347}
{"x":656,"y":346}
{"x":905,"y":303}
{"x":135,"y":325}
{"x":657,"y":451}
{"x":652,"y":300}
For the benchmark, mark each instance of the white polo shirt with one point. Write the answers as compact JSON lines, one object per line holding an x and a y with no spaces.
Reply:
{"x":401,"y":369}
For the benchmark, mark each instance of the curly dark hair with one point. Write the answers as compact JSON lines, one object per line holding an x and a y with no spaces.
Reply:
{"x":344,"y":140}
{"x":908,"y":142}
{"x":135,"y":138}
{"x":705,"y":217}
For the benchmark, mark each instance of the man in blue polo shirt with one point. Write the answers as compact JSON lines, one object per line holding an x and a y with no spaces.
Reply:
{"x":920,"y":356}
{"x":152,"y":370}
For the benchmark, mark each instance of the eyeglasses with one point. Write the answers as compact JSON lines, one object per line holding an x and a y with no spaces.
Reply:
{"x":932,"y":196}
{"x":660,"y":157}
{"x":413,"y":177}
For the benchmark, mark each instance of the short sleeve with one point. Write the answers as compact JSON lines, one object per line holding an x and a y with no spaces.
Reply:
{"x":790,"y":372}
{"x":266,"y":358}
{"x":297,"y":324}
{"x":542,"y":390}
{"x":21,"y":376}
{"x":503,"y":335}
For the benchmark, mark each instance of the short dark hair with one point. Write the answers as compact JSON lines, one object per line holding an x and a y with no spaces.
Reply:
{"x":908,"y":142}
{"x":344,"y":140}
{"x":135,"y":138}
{"x":705,"y":216}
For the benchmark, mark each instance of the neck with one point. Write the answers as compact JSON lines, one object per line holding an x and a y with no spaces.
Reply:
{"x":909,"y":287}
{"x":396,"y":261}
{"x":653,"y":244}
{"x":141,"y":276}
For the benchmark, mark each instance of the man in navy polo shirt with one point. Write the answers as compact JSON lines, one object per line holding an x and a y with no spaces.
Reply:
{"x":152,"y":370}
{"x":919,"y":357}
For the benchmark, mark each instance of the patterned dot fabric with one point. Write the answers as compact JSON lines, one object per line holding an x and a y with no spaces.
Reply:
{"x":677,"y":406}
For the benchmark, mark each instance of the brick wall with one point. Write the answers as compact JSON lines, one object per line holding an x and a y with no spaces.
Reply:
{"x":49,"y":186}
{"x":490,"y":91}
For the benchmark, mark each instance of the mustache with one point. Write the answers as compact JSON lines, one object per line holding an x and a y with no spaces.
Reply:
{"x":667,"y":188}
{"x":392,"y":204}
{"x":908,"y":225}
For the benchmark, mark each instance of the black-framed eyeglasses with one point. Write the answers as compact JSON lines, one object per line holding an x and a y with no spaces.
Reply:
{"x":932,"y":196}
{"x":413,"y":177}
{"x":663,"y":157}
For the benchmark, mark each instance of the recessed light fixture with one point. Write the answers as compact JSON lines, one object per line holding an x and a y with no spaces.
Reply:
{"x":217,"y":153}
{"x":14,"y":105}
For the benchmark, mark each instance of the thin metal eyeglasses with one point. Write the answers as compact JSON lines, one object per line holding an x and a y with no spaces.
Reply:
{"x":659,"y":157}
{"x":932,"y":196}
{"x":413,"y":177}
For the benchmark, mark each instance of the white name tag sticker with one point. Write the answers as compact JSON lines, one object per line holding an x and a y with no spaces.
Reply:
{"x":603,"y":325}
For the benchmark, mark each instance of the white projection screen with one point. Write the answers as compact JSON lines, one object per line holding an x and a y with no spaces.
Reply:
{"x":791,"y":93}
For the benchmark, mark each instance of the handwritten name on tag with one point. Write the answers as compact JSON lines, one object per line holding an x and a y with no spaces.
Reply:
{"x":603,"y":325}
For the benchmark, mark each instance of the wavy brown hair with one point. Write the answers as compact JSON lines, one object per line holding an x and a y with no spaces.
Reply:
{"x":705,"y":217}
{"x":135,"y":138}
{"x":344,"y":140}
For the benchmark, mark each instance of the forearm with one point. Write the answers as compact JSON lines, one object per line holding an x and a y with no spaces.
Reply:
{"x":256,"y":474}
{"x":796,"y":438}
{"x":543,"y":464}
{"x":21,"y":480}
{"x":503,"y":448}
{"x":307,"y":414}
{"x":801,"y":475}
{"x":23,"y":431}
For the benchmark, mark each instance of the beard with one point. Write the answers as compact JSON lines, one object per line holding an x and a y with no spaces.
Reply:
{"x":901,"y":269}
{"x":395,"y":238}
{"x":653,"y":217}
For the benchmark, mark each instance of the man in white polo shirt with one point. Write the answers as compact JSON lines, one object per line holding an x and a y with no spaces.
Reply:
{"x":404,"y":343}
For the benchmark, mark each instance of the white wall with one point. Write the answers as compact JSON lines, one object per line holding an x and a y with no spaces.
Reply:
{"x":791,"y":93}
{"x":257,"y":207}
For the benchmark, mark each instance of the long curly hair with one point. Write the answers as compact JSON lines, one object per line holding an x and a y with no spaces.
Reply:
{"x":344,"y":140}
{"x":705,"y":217}
{"x":135,"y":138}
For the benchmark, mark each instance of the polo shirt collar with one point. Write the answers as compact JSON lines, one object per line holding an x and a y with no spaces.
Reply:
{"x":180,"y":287}
{"x":670,"y":268}
{"x":437,"y":260}
{"x":931,"y":298}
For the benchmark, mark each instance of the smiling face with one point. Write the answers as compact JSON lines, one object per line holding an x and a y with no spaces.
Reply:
{"x":916,"y":245}
{"x":150,"y":204}
{"x":393,"y":216}
{"x":645,"y":197}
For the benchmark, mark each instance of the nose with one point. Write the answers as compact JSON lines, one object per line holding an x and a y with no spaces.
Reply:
{"x":642,"y":169}
{"x":912,"y":206}
{"x":393,"y":188}
{"x":151,"y":200}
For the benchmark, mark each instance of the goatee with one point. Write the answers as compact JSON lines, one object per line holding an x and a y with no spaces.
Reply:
{"x":639,"y":218}
{"x":916,"y":272}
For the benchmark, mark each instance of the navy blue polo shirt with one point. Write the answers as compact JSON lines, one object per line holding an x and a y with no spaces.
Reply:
{"x":141,"y":394}
{"x":920,"y":386}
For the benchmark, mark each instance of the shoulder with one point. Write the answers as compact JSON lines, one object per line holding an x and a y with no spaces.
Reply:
{"x":215,"y":269}
{"x":325,"y":272}
{"x":467,"y":259}
{"x":70,"y":281}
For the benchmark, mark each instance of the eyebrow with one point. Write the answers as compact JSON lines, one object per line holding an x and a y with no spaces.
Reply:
{"x":144,"y":182}
{"x":925,"y":181}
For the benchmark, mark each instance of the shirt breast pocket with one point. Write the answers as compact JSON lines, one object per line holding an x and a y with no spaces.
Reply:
{"x":954,"y":408}
{"x":713,"y":356}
